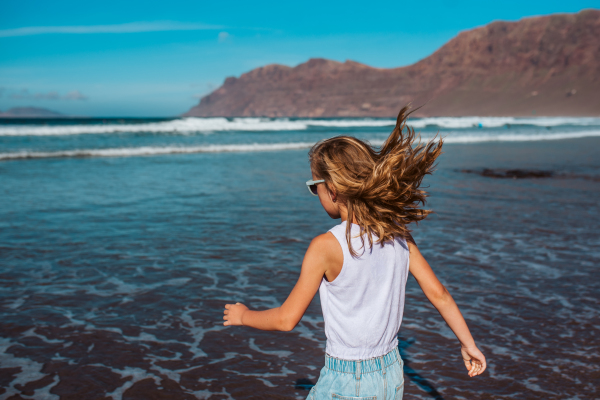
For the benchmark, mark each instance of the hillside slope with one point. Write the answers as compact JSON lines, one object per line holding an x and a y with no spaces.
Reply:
{"x":30,"y":112}
{"x":537,"y":66}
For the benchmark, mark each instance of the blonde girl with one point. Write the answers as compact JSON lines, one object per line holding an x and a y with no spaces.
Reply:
{"x":360,"y":266}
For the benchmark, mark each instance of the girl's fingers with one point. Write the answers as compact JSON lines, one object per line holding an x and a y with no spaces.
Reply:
{"x":475,"y":366}
{"x":227,"y":306}
{"x":477,"y":369}
{"x":226,"y":312}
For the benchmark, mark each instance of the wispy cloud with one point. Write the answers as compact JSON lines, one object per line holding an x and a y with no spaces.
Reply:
{"x":223,"y":36}
{"x":75,"y":95}
{"x":47,"y":96}
{"x":24,"y":94}
{"x":132,"y":27}
{"x":21,"y":94}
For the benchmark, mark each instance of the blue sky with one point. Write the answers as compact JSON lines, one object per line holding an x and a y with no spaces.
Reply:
{"x":156,"y":58}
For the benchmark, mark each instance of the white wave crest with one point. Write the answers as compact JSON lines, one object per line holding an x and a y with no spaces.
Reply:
{"x":149,"y":151}
{"x":260,"y":147}
{"x":188,"y":126}
{"x":210,"y":125}
{"x":529,"y":137}
{"x":497,"y":122}
{"x":348,"y":123}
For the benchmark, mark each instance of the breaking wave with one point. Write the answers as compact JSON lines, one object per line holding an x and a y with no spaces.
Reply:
{"x":497,"y":122}
{"x":519,"y":137}
{"x":149,"y":150}
{"x":211,"y":125}
{"x":260,"y":147}
{"x":189,"y":126}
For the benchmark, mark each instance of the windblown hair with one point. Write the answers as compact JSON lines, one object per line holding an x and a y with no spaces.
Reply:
{"x":380,"y":188}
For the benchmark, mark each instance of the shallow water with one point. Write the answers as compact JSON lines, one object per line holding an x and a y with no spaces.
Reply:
{"x":114,"y":270}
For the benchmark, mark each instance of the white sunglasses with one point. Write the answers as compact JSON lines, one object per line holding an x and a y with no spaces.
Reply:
{"x":312,"y":186}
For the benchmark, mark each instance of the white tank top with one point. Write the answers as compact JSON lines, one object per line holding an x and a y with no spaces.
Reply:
{"x":363,"y":306}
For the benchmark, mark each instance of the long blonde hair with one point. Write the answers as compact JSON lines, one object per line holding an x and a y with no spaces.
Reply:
{"x":380,"y":188}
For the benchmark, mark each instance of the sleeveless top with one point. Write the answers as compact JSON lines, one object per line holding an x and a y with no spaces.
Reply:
{"x":363,"y":306}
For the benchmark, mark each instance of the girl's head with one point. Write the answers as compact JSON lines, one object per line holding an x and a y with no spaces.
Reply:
{"x":379,"y":188}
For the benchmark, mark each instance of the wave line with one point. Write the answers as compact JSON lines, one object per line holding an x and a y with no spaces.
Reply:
{"x":185,"y":126}
{"x":149,"y":151}
{"x":260,"y":147}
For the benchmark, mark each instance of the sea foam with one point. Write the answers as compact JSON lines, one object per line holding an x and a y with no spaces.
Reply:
{"x":150,"y":150}
{"x":261,"y":147}
{"x":188,"y":126}
{"x":497,"y":122}
{"x":210,"y":125}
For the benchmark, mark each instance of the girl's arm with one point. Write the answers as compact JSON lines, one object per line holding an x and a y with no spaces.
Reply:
{"x":441,"y":299}
{"x":324,"y":251}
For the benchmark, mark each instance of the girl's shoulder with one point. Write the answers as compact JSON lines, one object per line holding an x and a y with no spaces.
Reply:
{"x":328,"y":247}
{"x":325,"y":242}
{"x":326,"y":251}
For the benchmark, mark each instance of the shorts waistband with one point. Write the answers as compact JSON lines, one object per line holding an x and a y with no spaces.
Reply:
{"x":362,"y":366}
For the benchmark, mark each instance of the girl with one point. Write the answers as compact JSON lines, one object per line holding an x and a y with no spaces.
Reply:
{"x":361,"y":265}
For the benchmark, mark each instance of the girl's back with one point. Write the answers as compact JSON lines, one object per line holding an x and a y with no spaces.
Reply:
{"x":377,"y":195}
{"x":363,"y":306}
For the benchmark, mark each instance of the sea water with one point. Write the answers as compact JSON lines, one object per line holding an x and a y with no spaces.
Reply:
{"x":122,"y":239}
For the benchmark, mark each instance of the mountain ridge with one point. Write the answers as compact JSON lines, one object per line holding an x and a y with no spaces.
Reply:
{"x":30,"y":112}
{"x":547,"y":65}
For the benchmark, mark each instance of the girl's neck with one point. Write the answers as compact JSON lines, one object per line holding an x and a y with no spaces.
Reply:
{"x":344,"y":214}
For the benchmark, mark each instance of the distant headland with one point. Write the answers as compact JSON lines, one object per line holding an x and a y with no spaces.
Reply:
{"x":31,"y":112}
{"x":536,"y":66}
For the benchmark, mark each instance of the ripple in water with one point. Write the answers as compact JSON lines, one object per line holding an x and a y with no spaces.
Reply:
{"x":114,"y":273}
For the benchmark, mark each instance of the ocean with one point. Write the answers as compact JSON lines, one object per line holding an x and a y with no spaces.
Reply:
{"x":122,"y":239}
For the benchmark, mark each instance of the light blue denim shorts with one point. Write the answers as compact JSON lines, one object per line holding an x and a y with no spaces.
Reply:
{"x":379,"y":378}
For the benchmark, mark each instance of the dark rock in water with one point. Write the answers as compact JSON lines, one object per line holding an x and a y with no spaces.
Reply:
{"x":304,"y":384}
{"x":516,"y":173}
{"x":511,"y":173}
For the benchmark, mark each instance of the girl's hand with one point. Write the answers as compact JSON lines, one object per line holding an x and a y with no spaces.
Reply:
{"x":474,"y":360}
{"x":233,"y":314}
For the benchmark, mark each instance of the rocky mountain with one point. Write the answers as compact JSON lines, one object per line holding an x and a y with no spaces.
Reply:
{"x":546,"y":65}
{"x":30,"y":112}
